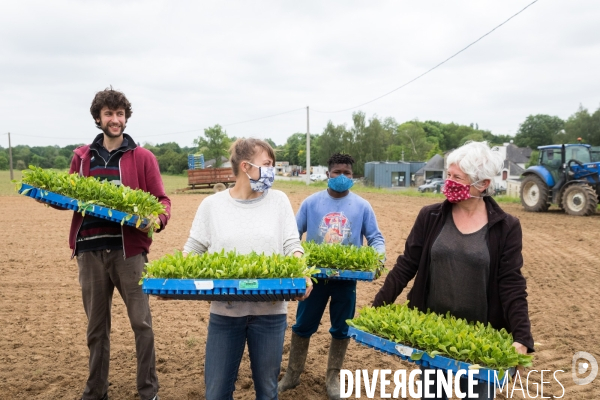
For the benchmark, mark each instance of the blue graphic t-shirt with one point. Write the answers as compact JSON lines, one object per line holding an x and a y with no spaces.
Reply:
{"x":347,"y":220}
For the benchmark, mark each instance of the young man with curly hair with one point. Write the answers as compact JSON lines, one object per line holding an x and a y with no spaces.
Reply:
{"x":335,"y":215}
{"x":110,"y":255}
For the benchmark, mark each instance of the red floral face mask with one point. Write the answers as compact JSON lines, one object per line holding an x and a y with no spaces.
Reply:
{"x":456,"y":192}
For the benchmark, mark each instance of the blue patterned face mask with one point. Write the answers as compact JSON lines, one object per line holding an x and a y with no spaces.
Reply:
{"x":340,"y":183}
{"x":265,"y":181}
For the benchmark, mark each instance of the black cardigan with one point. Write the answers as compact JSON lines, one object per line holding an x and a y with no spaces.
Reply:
{"x":507,"y":289}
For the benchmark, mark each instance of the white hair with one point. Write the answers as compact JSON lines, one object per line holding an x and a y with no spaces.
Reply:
{"x":477,"y":160}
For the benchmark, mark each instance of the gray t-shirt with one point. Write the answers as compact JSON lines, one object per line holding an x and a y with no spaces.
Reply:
{"x":459,"y":273}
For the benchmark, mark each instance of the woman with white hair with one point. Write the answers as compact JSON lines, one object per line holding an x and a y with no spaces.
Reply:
{"x":466,"y":254}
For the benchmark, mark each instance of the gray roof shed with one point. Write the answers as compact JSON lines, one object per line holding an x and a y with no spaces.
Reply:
{"x":436,"y":163}
{"x":513,"y":168}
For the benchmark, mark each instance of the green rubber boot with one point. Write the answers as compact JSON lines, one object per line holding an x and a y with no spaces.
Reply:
{"x":298,"y":352}
{"x":337,"y":352}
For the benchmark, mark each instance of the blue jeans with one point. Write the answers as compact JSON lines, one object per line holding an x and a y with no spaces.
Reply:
{"x":227,"y":337}
{"x":341,"y":308}
{"x":480,"y":389}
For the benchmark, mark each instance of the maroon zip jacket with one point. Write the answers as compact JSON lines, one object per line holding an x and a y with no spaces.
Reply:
{"x":507,"y":289}
{"x":139,"y":170}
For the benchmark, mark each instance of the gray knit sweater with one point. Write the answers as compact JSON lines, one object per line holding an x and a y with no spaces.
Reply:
{"x":266,"y":226}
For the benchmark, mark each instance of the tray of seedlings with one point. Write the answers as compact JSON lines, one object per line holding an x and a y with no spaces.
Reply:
{"x":227,"y":276}
{"x":89,"y":196}
{"x":336,"y":261}
{"x":438,"y":341}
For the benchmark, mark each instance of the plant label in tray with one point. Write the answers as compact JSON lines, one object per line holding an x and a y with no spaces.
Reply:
{"x":204,"y":285}
{"x":249,"y":284}
{"x":404,"y":350}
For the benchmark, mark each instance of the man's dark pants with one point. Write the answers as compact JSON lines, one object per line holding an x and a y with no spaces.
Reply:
{"x":99,"y":273}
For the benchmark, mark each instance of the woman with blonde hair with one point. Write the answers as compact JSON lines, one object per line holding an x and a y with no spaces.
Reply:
{"x":248,"y":217}
{"x":466,"y":254}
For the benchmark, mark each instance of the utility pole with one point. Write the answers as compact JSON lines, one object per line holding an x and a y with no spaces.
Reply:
{"x":10,"y":157}
{"x":307,"y":147}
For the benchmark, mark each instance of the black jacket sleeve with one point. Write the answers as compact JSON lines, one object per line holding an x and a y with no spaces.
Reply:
{"x":512,"y":286}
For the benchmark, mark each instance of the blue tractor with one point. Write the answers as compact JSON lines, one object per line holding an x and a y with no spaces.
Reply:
{"x":566,"y":175}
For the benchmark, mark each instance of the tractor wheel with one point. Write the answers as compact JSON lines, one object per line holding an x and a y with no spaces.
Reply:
{"x":534,"y":194}
{"x":580,"y":200}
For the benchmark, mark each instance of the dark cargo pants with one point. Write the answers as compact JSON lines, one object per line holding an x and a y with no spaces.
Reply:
{"x":99,"y":273}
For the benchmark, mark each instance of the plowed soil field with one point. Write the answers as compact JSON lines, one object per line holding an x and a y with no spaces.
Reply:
{"x":43,"y":353}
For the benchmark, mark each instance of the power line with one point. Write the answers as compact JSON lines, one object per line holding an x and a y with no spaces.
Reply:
{"x":269,"y":116}
{"x":233,"y":123}
{"x":329,"y":112}
{"x":429,"y":70}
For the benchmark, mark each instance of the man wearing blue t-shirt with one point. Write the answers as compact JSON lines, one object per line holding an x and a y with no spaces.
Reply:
{"x":335,"y":215}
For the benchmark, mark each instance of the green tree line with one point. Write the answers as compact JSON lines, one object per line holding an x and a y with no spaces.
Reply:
{"x":366,"y":139}
{"x":172,"y":158}
{"x":543,"y":129}
{"x":41,"y":156}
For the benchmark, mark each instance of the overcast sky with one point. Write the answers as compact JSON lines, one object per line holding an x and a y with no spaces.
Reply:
{"x":187,"y":65}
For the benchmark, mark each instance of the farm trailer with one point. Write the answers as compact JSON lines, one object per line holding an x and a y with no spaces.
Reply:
{"x":208,"y":177}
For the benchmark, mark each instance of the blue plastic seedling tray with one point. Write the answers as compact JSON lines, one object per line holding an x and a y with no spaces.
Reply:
{"x":70,"y":203}
{"x":227,"y":289}
{"x":405,"y":353}
{"x":340,"y":274}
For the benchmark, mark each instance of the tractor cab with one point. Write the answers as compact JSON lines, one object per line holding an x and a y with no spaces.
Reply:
{"x":578,"y":152}
{"x":558,"y":160}
{"x":553,"y":156}
{"x":595,"y":153}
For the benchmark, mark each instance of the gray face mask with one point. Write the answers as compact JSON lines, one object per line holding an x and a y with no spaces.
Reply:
{"x":265,"y":181}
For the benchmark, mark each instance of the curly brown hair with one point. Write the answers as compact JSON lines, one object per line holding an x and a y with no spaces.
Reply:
{"x":113,"y":99}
